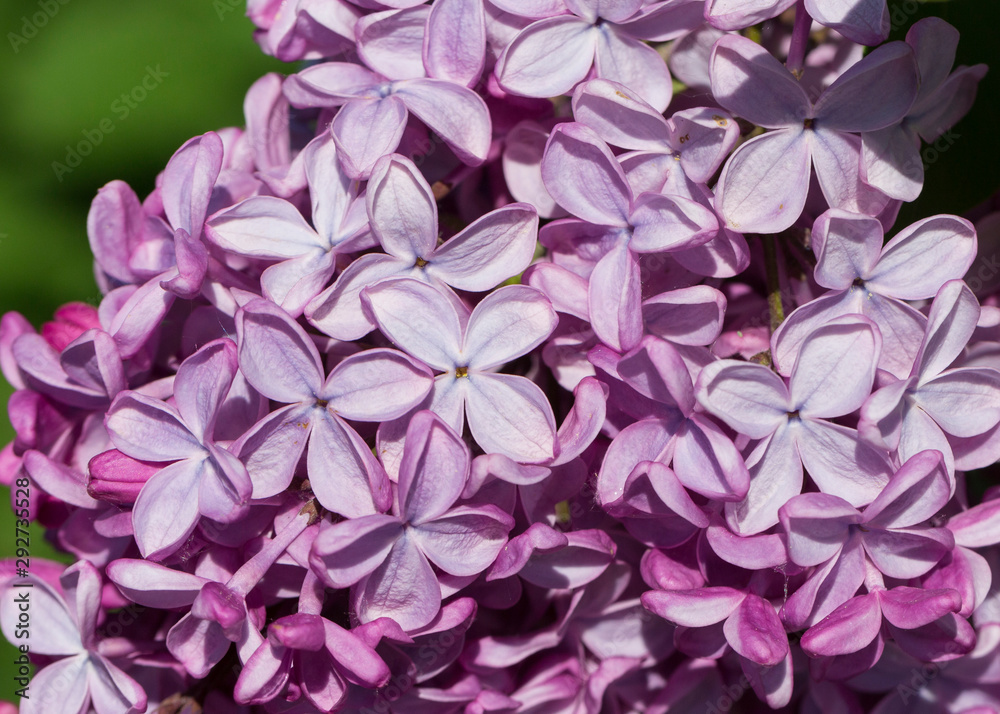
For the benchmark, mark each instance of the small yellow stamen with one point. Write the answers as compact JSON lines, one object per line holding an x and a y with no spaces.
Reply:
{"x":421,"y":262}
{"x":461,"y":372}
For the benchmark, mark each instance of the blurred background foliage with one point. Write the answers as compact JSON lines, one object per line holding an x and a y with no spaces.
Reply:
{"x":61,"y":78}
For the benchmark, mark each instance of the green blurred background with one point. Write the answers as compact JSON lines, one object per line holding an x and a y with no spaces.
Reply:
{"x":66,"y":78}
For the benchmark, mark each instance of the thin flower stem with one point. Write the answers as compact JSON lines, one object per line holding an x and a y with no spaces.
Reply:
{"x":774,"y":304}
{"x":251,"y":572}
{"x":800,"y":40}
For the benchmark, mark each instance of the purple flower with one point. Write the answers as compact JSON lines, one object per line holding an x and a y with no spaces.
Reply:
{"x":64,"y":626}
{"x":387,"y":558}
{"x":764,"y":183}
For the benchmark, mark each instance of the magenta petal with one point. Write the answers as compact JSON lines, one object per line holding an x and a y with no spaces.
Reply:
{"x":345,"y":552}
{"x":908,"y":553}
{"x":755,"y":632}
{"x":694,"y":608}
{"x":198,"y":644}
{"x":947,"y":638}
{"x":849,"y":628}
{"x":908,"y":608}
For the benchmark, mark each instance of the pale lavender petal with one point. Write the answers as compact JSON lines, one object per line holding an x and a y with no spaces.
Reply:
{"x":377,"y":385}
{"x":775,"y":476}
{"x":952,"y":319}
{"x":391,"y":42}
{"x":271,"y":449}
{"x":891,"y":162}
{"x":434,"y":470}
{"x":750,"y":398}
{"x":455,"y":113}
{"x":817,"y":525}
{"x":262,"y":227}
{"x":548,"y":57}
{"x":704,"y":138}
{"x":188,"y":180}
{"x":419,"y":319}
{"x":465,"y":540}
{"x":909,"y":608}
{"x":831,"y":585}
{"x":365,"y":130}
{"x":276,"y":355}
{"x":154,"y":585}
{"x":139,"y":316}
{"x":948,"y":105}
{"x":330,"y":84}
{"x":840,"y":463}
{"x":905,"y":554}
{"x":902,"y":328}
{"x":403,"y":587}
{"x":61,"y":686}
{"x":402,"y":209}
{"x":687,"y":316}
{"x":455,"y":43}
{"x":58,"y":480}
{"x":197,"y":644}
{"x":111,"y":690}
{"x":224,"y":488}
{"x":264,"y":675}
{"x":292,"y":284}
{"x":489,"y":250}
{"x":887,"y":76}
{"x":618,"y":117}
{"x":346,"y":552}
{"x":837,"y":159}
{"x":149,"y":430}
{"x":53,"y":629}
{"x":522,"y":168}
{"x":706,"y":461}
{"x":917,"y":491}
{"x":337,"y":311}
{"x":963,"y":402}
{"x":343,"y":473}
{"x":922,"y":257}
{"x":165,"y":512}
{"x":656,"y":370}
{"x":835,"y":369}
{"x":508,"y":323}
{"x":863,"y":21}
{"x":847,"y":247}
{"x":738,"y":14}
{"x":787,"y":340}
{"x":598,"y":192}
{"x":202,"y":383}
{"x":749,"y":82}
{"x":511,"y":415}
{"x":667,"y":223}
{"x":614,"y":299}
{"x":764,"y":183}
{"x":635,"y":64}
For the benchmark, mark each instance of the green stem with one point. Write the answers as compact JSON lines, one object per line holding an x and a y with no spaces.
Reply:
{"x":774,"y":305}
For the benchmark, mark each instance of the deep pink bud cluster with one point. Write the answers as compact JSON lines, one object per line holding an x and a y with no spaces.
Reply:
{"x":501,"y":365}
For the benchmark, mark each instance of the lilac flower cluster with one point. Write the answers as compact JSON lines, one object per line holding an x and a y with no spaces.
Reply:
{"x":350,"y":432}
